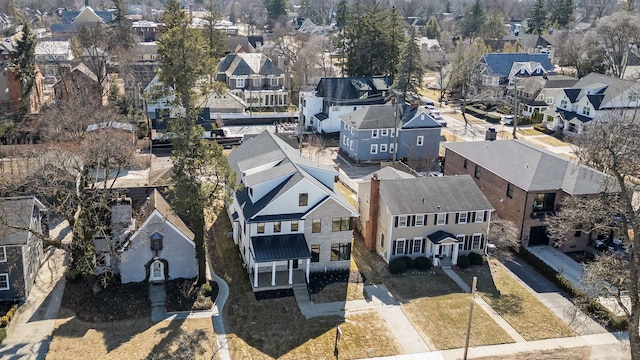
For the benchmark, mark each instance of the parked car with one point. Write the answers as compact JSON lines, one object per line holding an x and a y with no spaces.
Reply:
{"x":507,"y":119}
{"x":439,"y":119}
{"x":428,"y":102}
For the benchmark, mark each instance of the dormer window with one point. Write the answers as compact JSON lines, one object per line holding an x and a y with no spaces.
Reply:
{"x":156,"y":241}
{"x":303,"y":199}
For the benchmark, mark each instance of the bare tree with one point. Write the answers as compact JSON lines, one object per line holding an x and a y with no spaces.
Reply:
{"x":618,"y":33}
{"x":503,"y":234}
{"x":463,"y":73}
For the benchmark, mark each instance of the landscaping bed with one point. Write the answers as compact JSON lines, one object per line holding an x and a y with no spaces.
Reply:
{"x":182,"y":295}
{"x":116,"y":302}
{"x":319,"y":280}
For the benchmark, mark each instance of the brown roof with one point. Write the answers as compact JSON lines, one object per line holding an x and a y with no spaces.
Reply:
{"x":158,"y":202}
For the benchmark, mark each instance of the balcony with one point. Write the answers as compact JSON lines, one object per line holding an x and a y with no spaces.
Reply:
{"x":541,"y":214}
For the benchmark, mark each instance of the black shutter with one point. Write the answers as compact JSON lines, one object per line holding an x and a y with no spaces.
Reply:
{"x":396,"y":221}
{"x":469,"y":214}
{"x":481,"y":241}
{"x":473,"y":217}
{"x":424,"y":222}
{"x":410,"y":250}
{"x":467,"y":242}
{"x":446,"y":220}
{"x":413,"y":220}
{"x":424,"y":243}
{"x":457,"y":217}
{"x":393,"y":248}
{"x":435,"y":219}
{"x":484,"y":216}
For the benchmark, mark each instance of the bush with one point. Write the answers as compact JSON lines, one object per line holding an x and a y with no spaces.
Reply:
{"x":4,"y":321}
{"x":494,"y":119}
{"x":463,"y":261}
{"x":397,"y":265}
{"x":10,"y":314}
{"x":540,"y":128}
{"x":206,"y":289}
{"x":475,"y":258}
{"x":407,"y":260}
{"x":72,"y":275}
{"x":422,"y":263}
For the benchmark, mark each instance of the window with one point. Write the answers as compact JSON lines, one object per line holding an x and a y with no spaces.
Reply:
{"x":4,"y":281}
{"x":344,"y":140}
{"x":420,"y":140}
{"x":316,"y":225}
{"x":383,"y":147}
{"x":477,"y":242}
{"x":257,"y":82}
{"x":156,"y":241}
{"x":384,"y":132}
{"x":392,"y":132}
{"x":346,"y":127}
{"x":460,"y":241}
{"x":350,"y":144}
{"x":419,"y":220}
{"x":402,"y":221}
{"x":274,"y":81}
{"x":340,"y":251}
{"x":400,"y":246}
{"x":563,"y":103}
{"x":544,"y":202}
{"x":462,"y":218}
{"x":549,"y":101}
{"x":586,"y":110}
{"x":509,"y":190}
{"x":464,"y":164}
{"x":303,"y":199}
{"x":315,"y":253}
{"x":374,"y":133}
{"x":479,"y":216}
{"x":578,"y":231}
{"x":417,"y":245}
{"x":476,"y":172}
{"x":392,"y":148}
{"x":277,"y":227}
{"x":374,"y":148}
{"x":441,"y":219}
{"x":260,"y":228}
{"x":341,"y":224}
{"x":573,"y":127}
{"x":294,"y":225}
{"x":3,"y":254}
{"x":239,"y":83}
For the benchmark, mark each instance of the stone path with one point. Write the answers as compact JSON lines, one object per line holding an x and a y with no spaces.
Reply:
{"x":157,"y":295}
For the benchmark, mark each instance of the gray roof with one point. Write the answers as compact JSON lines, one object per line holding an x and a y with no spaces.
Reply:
{"x":433,"y":195}
{"x":280,"y":247}
{"x":384,"y":117}
{"x":530,"y":168}
{"x":500,"y":63}
{"x":389,"y":173}
{"x":613,"y":87}
{"x":15,"y":215}
{"x":438,"y":236}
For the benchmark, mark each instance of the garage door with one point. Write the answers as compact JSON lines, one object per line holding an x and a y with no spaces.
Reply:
{"x":538,"y":236}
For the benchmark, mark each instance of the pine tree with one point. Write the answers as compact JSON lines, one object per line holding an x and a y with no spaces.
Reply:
{"x":432,"y":29}
{"x":473,"y":20}
{"x":276,"y":9}
{"x":562,"y":13}
{"x":538,"y":19}
{"x":25,"y":67}
{"x":493,"y":30}
{"x":410,"y":69}
{"x":342,"y":13}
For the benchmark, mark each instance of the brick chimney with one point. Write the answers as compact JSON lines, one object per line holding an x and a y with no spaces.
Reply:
{"x":374,"y":209}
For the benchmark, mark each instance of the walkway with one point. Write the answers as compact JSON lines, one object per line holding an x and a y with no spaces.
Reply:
{"x":29,"y":333}
{"x":380,"y":300}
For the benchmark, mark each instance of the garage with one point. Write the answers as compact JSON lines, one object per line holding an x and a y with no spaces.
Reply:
{"x":538,"y":236}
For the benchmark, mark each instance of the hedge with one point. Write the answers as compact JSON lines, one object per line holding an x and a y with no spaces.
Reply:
{"x":475,"y":258}
{"x":422,"y":263}
{"x":464,"y":261}
{"x":475,"y":112}
{"x":592,"y":307}
{"x":493,"y":118}
{"x":397,"y":266}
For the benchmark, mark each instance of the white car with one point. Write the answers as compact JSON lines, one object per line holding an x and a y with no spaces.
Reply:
{"x":507,"y":119}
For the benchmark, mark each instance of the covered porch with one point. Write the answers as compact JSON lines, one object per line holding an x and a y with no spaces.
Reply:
{"x":276,"y":262}
{"x":442,"y":248}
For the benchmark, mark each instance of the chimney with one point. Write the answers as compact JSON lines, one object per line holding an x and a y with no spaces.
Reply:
{"x":86,"y":3}
{"x":374,"y":209}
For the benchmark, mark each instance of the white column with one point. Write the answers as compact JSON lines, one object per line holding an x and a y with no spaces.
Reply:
{"x":273,"y":273}
{"x":255,"y":275}
{"x":290,"y":272}
{"x":454,"y":257}
{"x":308,"y":266}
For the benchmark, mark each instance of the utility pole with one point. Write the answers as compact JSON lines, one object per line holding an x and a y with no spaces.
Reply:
{"x":473,"y":297}
{"x":515,"y":107}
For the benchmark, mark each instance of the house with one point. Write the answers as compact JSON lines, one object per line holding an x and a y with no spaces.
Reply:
{"x":417,"y":23}
{"x":435,"y":217}
{"x":594,"y":96}
{"x":320,"y":110}
{"x":495,"y":71}
{"x":50,"y":54}
{"x":530,"y":43}
{"x":146,"y":31}
{"x":73,"y":20}
{"x":146,"y":53}
{"x":254,"y":78}
{"x":536,"y":94}
{"x":158,"y":249}
{"x":10,"y":86}
{"x":79,"y":82}
{"x":5,"y":21}
{"x":287,"y":218}
{"x":369,"y":134}
{"x":525,"y":184}
{"x":20,"y":246}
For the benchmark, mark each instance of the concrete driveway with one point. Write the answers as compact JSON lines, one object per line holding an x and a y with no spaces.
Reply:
{"x":561,"y":263}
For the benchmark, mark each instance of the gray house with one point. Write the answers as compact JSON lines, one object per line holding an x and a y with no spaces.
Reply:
{"x":369,"y":134}
{"x":21,"y":219}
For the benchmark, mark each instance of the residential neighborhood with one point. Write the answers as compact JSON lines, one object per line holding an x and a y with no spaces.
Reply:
{"x":287,"y":179}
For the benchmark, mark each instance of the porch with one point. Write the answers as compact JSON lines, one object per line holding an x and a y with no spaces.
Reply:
{"x":265,"y":280}
{"x":276,"y":261}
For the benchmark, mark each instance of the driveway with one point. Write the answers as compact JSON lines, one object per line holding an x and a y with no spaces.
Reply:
{"x":560,"y":262}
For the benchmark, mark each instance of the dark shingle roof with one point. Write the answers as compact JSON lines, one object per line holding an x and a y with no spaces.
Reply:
{"x":500,"y":63}
{"x":433,"y":195}
{"x":337,"y":89}
{"x":440,"y":235}
{"x":280,"y":247}
{"x":572,"y":94}
{"x":15,"y":215}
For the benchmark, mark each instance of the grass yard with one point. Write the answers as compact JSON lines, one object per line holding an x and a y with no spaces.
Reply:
{"x":578,"y":353}
{"x":526,"y":314}
{"x":275,"y":328}
{"x":529,"y":132}
{"x":130,"y":339}
{"x":551,"y":141}
{"x":440,"y":311}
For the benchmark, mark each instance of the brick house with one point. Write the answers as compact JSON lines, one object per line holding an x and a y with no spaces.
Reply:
{"x":525,"y":184}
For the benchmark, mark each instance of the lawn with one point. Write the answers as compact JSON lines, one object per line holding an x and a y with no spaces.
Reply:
{"x":275,"y":328}
{"x":526,"y":314}
{"x":551,"y":141}
{"x":529,"y":132}
{"x":440,"y":311}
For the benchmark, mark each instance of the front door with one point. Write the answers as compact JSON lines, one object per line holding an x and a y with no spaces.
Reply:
{"x":538,"y":236}
{"x":156,"y":272}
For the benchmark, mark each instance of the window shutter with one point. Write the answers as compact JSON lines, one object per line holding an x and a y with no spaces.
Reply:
{"x":484,"y":216}
{"x":469,"y":215}
{"x":473,"y":216}
{"x":393,"y":248}
{"x":413,"y":220}
{"x":396,"y":221}
{"x":467,"y":242}
{"x":410,"y":250}
{"x":482,"y":241}
{"x":446,"y":219}
{"x":424,"y":243}
{"x":457,"y":217}
{"x":435,"y":219}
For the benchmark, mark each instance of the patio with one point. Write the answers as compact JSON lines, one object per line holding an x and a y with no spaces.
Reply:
{"x":298,"y":277}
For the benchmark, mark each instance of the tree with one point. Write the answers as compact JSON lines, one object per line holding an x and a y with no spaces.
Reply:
{"x":493,"y":30}
{"x":610,"y":146}
{"x":503,"y":234}
{"x":432,"y":29}
{"x":618,"y":33}
{"x":410,"y":69}
{"x":562,"y":13}
{"x":276,"y":10}
{"x":25,"y":67}
{"x":595,"y":9}
{"x":473,"y":20}
{"x":538,"y":18}
{"x":463,"y":74}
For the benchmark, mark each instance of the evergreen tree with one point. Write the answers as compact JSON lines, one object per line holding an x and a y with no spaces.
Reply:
{"x":447,"y":7}
{"x":122,"y":36}
{"x":410,"y":69}
{"x":562,"y":13}
{"x":25,"y":67}
{"x":473,"y":20}
{"x":538,"y":19}
{"x":432,"y":30}
{"x":493,"y":30}
{"x":276,"y":9}
{"x":342,"y":13}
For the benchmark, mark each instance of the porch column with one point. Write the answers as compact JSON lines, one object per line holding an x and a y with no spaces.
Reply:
{"x":255,"y":275}
{"x":308,"y":265}
{"x":436,"y":255}
{"x":290,"y":272}
{"x":273,"y":273}
{"x":454,"y":257}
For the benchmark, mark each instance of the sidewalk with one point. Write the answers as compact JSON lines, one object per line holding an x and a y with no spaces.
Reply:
{"x":29,"y":333}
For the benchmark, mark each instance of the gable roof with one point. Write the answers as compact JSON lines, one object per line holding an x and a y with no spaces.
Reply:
{"x":531,"y":168}
{"x":358,"y":89}
{"x":158,"y":202}
{"x":599,"y":84}
{"x":388,"y":173}
{"x":500,"y":64}
{"x":247,"y":64}
{"x":15,"y":215}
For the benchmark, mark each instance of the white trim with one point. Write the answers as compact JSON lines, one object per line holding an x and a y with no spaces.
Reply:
{"x":374,"y":149}
{"x":8,"y":283}
{"x":3,"y":253}
{"x":460,"y":217}
{"x":481,"y":218}
{"x":460,"y":238}
{"x":403,"y":242}
{"x":421,"y":222}
{"x":444,"y":219}
{"x":420,"y":140}
{"x":374,"y":133}
{"x":165,"y":220}
{"x":417,"y":242}
{"x":473,"y":239}
{"x":383,"y":148}
{"x":406,"y":221}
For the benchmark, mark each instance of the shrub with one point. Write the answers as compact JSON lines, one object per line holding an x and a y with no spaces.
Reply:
{"x":494,"y":119}
{"x":4,"y":321}
{"x":407,"y":260}
{"x":475,"y":258}
{"x":206,"y":289}
{"x":10,"y":314}
{"x":463,"y":261}
{"x":397,"y":265}
{"x":72,"y":275}
{"x":422,"y":263}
